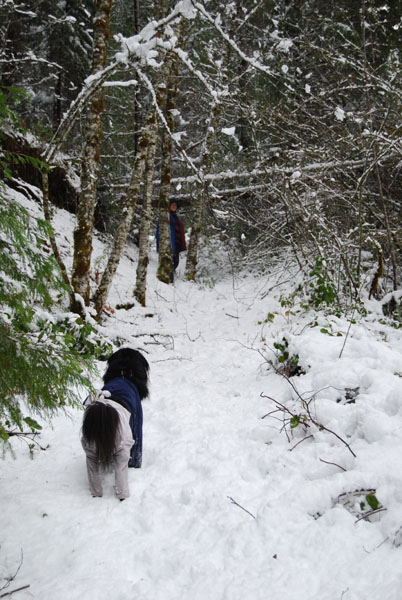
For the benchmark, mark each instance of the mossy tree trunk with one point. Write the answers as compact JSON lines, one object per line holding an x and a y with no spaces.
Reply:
{"x":146,"y":219}
{"x":90,"y":159}
{"x":148,"y":137}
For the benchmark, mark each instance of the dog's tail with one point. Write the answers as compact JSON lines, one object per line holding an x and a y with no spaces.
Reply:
{"x":99,"y":429}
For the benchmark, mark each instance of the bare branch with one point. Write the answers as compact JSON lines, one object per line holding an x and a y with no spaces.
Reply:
{"x":309,"y":418}
{"x":369,"y":514}
{"x":332,"y":463}
{"x":242,"y":507}
{"x":215,"y":23}
{"x":300,"y":441}
{"x":12,"y":577}
{"x":24,"y":587}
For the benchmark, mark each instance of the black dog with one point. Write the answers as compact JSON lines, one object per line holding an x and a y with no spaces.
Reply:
{"x":127,"y":380}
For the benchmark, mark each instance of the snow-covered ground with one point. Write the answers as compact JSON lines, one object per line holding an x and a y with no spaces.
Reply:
{"x":227,"y":506}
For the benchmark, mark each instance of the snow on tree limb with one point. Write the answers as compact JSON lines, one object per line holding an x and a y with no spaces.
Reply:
{"x":142,"y":47}
{"x":317,"y":166}
{"x":215,"y":22}
{"x":198,"y":176}
{"x":187,"y":61}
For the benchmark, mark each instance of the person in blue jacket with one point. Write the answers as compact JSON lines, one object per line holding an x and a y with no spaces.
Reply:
{"x":177,"y":237}
{"x":126,"y":379}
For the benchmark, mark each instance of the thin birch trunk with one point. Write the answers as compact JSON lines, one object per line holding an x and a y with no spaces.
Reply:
{"x":206,"y":160}
{"x":145,"y":227}
{"x":202,"y":192}
{"x":90,"y":159}
{"x":75,"y":305}
{"x":148,"y":137}
{"x":391,"y":244}
{"x":164,"y":243}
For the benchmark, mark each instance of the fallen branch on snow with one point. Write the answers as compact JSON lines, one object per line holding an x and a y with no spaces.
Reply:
{"x":242,"y":507}
{"x":24,"y":587}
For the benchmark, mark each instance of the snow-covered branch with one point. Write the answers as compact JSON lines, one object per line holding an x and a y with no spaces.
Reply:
{"x":253,"y":62}
{"x":313,"y":167}
{"x":142,"y":48}
{"x":198,"y":175}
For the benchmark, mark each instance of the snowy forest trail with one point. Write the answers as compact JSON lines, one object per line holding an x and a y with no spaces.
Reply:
{"x":179,"y":535}
{"x":221,"y":510}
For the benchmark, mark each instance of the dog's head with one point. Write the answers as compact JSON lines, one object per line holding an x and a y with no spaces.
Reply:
{"x":131,"y":364}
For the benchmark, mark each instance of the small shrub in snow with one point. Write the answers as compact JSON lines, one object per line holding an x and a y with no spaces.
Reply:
{"x":289,"y":363}
{"x":322,"y":288}
{"x":363,"y":504}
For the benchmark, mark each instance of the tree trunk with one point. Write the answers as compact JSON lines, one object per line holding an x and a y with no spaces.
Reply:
{"x":391,"y":244}
{"x":164,"y":242}
{"x":148,"y":137}
{"x":48,"y":218}
{"x":145,"y":227}
{"x":75,"y":304}
{"x":90,"y":159}
{"x":205,"y":166}
{"x":206,"y":160}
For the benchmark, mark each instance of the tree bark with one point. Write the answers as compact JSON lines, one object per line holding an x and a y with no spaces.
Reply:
{"x":391,"y":244}
{"x":206,"y":160}
{"x":148,"y":137}
{"x":146,"y":218}
{"x":164,"y":243}
{"x":48,"y":218}
{"x":90,"y":159}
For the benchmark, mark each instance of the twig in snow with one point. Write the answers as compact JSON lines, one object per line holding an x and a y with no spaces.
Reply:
{"x":26,"y":435}
{"x":347,"y":333}
{"x":24,"y":587}
{"x":179,"y":358}
{"x":332,"y":463}
{"x":154,"y":336}
{"x":10,"y":579}
{"x":376,"y":547}
{"x":373,"y":512}
{"x":300,"y":441}
{"x":321,"y":426}
{"x":242,"y":507}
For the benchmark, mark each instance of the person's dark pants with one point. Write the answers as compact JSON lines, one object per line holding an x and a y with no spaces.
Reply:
{"x":175,"y":264}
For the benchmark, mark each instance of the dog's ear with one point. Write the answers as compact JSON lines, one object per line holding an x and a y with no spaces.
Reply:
{"x":122,"y":356}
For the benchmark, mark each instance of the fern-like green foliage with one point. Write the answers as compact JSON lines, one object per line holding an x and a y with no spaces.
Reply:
{"x":46,"y":353}
{"x":44,"y":357}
